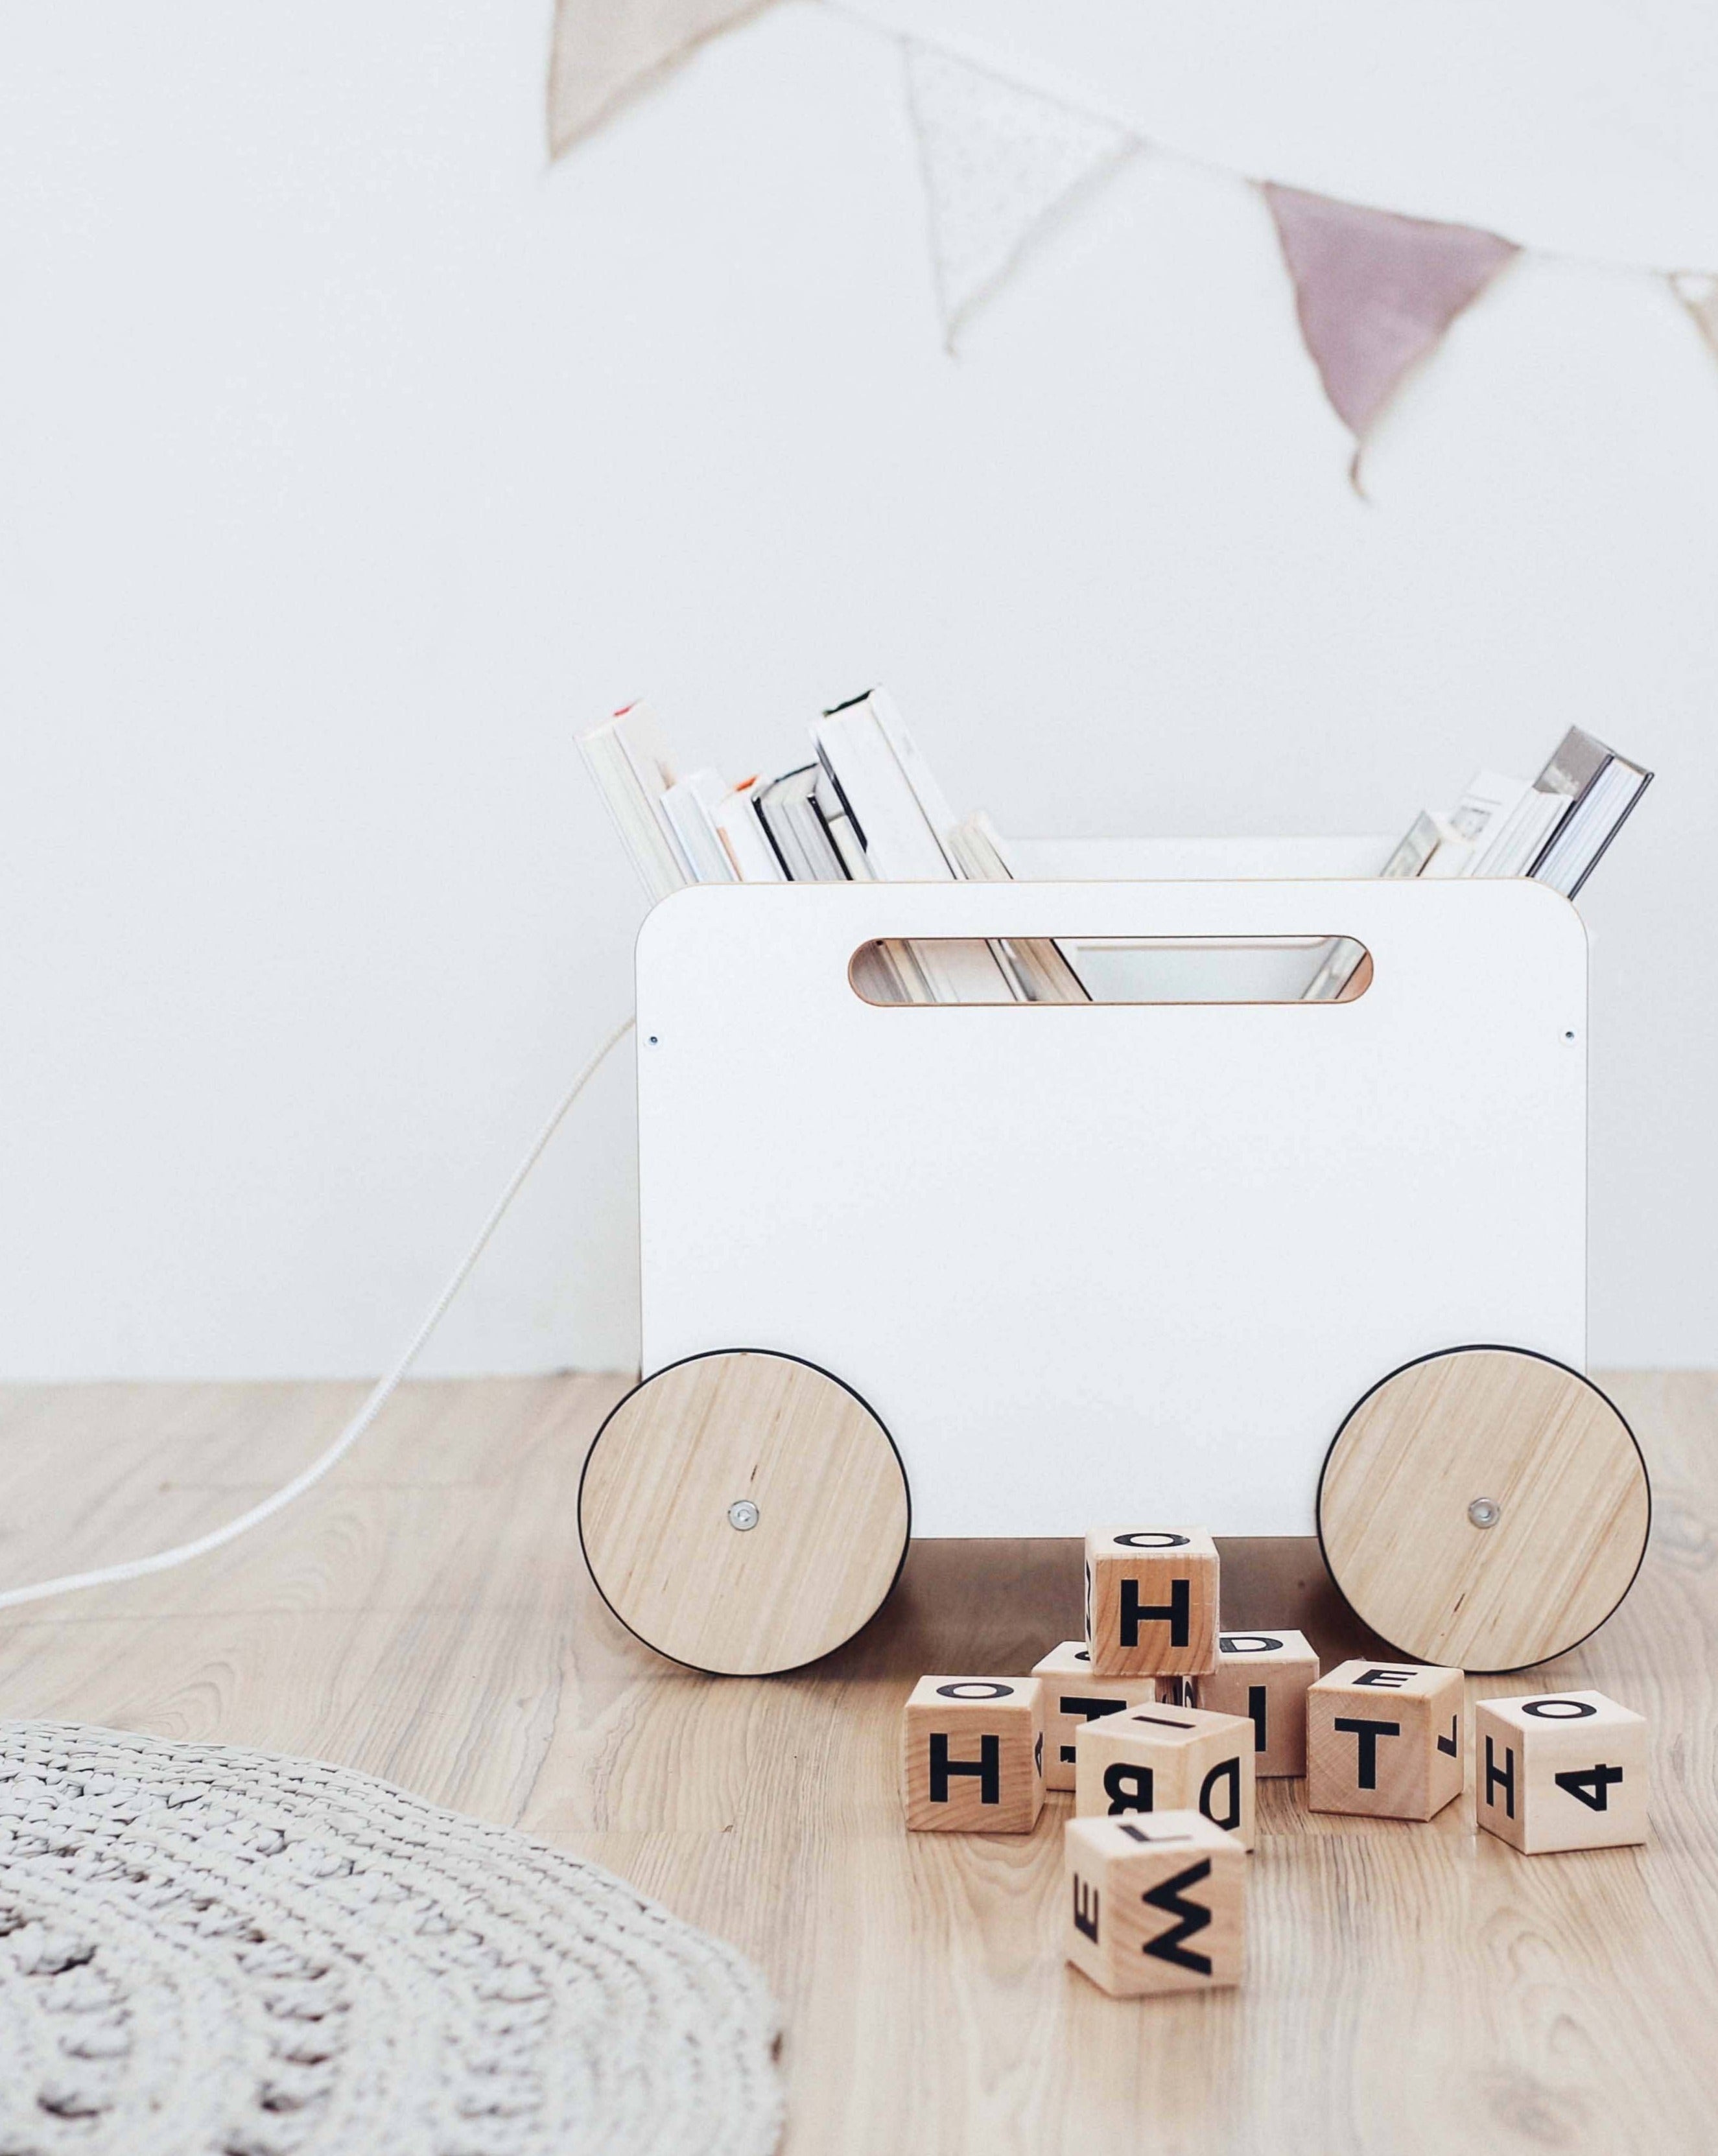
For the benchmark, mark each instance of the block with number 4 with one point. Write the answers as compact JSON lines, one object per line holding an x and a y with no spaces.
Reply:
{"x":1384,"y":1738}
{"x":1073,"y":1697}
{"x":1264,"y":1675}
{"x":1154,"y":1903}
{"x":1167,"y":1759}
{"x":1560,"y":1770}
{"x":973,"y":1755}
{"x":1151,"y":1601}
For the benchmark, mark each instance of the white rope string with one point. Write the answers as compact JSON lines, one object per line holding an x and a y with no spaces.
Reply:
{"x":182,"y":1553}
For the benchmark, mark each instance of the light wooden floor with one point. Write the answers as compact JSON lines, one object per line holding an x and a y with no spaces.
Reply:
{"x":425,"y":1616}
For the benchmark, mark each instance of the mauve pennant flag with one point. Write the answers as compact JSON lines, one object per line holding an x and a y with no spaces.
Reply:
{"x":1376,"y":293}
{"x":606,"y":52}
{"x":1002,"y":167}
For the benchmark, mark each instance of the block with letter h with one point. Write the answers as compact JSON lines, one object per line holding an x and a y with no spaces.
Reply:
{"x":1073,"y":1697}
{"x":1154,"y":1903}
{"x":1385,"y":1739}
{"x":1264,"y":1675}
{"x":973,"y":1755}
{"x":1151,"y":1601}
{"x":1560,"y":1770}
{"x":1161,"y":1758}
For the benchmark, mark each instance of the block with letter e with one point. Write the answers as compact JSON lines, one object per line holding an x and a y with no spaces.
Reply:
{"x":1264,"y":1675}
{"x":1161,"y":1758}
{"x":1385,"y":1739}
{"x":1154,"y":1902}
{"x":1073,"y":1696}
{"x":1151,"y":1601}
{"x":1560,"y":1770}
{"x":973,"y":1755}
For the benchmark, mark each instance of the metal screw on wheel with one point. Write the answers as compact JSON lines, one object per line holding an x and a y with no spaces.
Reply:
{"x":743,"y":1512}
{"x":1486,"y":1507}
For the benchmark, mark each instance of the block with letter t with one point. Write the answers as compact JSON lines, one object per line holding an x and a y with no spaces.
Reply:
{"x":1264,"y":1675}
{"x":1072,"y":1696}
{"x":1154,"y":1902}
{"x":973,"y":1755}
{"x":1151,"y":1601}
{"x":1386,"y":1739}
{"x":1165,"y":1758}
{"x":1560,"y":1770}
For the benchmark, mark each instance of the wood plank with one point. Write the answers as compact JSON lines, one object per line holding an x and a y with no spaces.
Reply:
{"x":424,"y":1615}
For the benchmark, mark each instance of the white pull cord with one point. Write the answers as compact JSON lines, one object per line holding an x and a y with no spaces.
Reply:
{"x":165,"y":1560}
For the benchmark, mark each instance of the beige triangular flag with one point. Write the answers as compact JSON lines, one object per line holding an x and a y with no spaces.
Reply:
{"x":1698,"y":291}
{"x":1001,"y":164}
{"x":1376,"y":293}
{"x":606,"y":52}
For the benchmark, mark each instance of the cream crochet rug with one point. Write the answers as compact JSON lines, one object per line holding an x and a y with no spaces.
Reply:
{"x":206,"y":1952}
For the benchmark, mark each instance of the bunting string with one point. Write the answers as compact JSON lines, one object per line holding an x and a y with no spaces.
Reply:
{"x":1004,"y":165}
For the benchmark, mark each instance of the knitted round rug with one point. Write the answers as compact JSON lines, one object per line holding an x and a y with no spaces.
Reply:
{"x":208,"y":1952}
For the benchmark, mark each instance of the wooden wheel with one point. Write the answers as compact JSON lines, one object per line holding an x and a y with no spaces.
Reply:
{"x":1486,"y":1507}
{"x":743,"y":1512}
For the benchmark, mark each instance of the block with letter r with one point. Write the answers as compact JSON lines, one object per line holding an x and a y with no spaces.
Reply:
{"x":1560,"y":1770}
{"x":973,"y":1755}
{"x":1151,"y":1601}
{"x":1153,"y":1902}
{"x":1386,"y":1739}
{"x":1165,"y":1758}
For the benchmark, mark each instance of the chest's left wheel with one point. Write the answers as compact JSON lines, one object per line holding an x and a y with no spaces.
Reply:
{"x":743,"y":1512}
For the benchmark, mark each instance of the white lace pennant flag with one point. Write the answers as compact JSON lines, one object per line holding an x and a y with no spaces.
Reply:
{"x":1001,"y":164}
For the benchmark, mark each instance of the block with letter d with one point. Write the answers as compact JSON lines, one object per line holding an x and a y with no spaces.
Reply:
{"x":1073,"y":1697}
{"x":1161,"y":1758}
{"x":973,"y":1755}
{"x":1264,"y":1675}
{"x":1154,"y":1902}
{"x":1151,"y":1601}
{"x":1385,"y":1739}
{"x":1560,"y":1770}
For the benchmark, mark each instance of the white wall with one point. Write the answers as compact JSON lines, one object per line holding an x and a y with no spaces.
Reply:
{"x":350,"y":459}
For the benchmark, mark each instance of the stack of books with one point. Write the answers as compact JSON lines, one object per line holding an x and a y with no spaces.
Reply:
{"x":868,"y":808}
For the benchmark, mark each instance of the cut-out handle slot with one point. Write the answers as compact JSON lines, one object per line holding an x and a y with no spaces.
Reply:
{"x":937,"y":971}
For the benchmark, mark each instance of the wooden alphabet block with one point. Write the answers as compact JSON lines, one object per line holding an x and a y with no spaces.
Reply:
{"x":1167,"y":1759}
{"x":1154,"y":1903}
{"x":1385,"y":1738}
{"x":1560,"y":1770}
{"x":973,"y":1755}
{"x":1151,"y":1601}
{"x":1264,"y":1675}
{"x":1073,"y":1696}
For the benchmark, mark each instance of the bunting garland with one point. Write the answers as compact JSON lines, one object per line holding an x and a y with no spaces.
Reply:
{"x":1003,"y":165}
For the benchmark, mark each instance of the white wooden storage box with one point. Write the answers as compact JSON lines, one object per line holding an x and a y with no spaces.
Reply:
{"x":1087,"y":1259}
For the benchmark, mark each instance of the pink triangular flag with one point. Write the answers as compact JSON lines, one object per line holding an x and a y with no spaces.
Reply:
{"x":1376,"y":292}
{"x":606,"y":52}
